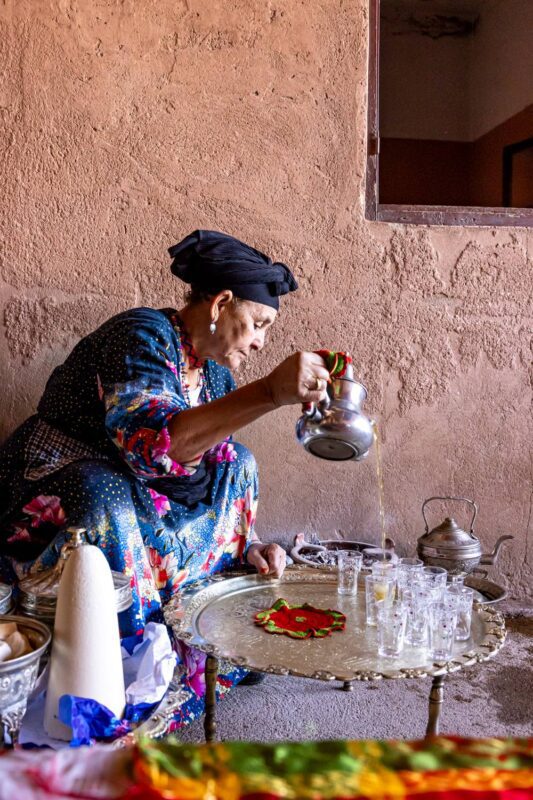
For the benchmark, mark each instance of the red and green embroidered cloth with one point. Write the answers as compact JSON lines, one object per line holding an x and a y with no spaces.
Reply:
{"x":300,"y":621}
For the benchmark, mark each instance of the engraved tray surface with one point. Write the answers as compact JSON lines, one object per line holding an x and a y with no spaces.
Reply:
{"x":218,"y":618}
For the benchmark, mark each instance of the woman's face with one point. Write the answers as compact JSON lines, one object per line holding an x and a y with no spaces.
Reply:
{"x":241,"y":328}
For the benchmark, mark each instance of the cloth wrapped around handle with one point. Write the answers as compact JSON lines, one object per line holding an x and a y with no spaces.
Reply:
{"x":336,"y":363}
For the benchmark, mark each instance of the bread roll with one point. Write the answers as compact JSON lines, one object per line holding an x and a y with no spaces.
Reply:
{"x":5,"y":652}
{"x":19,"y":644}
{"x":6,"y":629}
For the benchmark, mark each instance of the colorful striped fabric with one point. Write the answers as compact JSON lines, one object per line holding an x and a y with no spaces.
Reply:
{"x":440,"y":769}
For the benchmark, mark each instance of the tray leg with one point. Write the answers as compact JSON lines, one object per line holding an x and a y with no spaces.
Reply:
{"x":211,"y":673}
{"x":436,"y":697}
{"x":347,"y":686}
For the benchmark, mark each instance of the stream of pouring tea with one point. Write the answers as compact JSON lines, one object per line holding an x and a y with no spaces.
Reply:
{"x":379,"y":473}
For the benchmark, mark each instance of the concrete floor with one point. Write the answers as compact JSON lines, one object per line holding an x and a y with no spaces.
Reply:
{"x":490,"y":699}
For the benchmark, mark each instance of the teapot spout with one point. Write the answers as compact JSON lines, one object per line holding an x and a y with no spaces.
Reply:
{"x":490,"y":558}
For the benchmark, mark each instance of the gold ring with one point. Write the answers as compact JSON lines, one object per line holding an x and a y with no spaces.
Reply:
{"x":318,"y":384}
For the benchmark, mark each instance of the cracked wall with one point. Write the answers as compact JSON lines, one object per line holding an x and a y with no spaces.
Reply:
{"x":122,"y":130}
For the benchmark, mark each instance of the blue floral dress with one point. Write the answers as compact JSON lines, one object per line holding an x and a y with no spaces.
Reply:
{"x":96,"y":455}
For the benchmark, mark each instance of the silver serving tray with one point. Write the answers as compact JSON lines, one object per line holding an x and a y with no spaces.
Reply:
{"x":218,"y":618}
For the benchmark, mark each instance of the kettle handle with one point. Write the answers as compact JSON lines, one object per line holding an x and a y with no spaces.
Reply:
{"x":313,"y":412}
{"x":462,"y":499}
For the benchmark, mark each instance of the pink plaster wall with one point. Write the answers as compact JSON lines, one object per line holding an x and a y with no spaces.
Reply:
{"x":127,"y":124}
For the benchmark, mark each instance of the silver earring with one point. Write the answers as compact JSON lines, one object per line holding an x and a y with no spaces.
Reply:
{"x":212,"y":328}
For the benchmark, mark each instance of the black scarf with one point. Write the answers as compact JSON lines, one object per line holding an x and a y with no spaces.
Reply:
{"x":213,"y":261}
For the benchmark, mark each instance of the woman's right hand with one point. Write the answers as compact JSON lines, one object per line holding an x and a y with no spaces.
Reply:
{"x":301,"y":378}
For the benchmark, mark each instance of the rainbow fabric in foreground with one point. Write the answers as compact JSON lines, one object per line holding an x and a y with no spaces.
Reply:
{"x":442,"y":769}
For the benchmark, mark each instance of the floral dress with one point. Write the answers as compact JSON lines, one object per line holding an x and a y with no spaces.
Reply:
{"x":96,"y":455}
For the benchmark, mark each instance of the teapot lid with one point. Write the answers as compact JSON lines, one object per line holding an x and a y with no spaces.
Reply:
{"x":448,"y":534}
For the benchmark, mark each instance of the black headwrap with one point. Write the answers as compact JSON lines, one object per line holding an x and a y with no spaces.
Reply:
{"x":214,"y":261}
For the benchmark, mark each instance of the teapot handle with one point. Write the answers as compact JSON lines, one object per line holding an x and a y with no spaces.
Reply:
{"x":462,"y":499}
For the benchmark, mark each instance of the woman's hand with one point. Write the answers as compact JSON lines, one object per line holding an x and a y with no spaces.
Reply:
{"x":301,"y":378}
{"x":268,"y":559}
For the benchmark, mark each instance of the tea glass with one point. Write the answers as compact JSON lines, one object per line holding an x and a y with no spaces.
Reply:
{"x":391,"y":618}
{"x":442,"y":622}
{"x":457,"y":579}
{"x":435,"y":579}
{"x":416,"y":600}
{"x":385,"y":569}
{"x":377,"y":587}
{"x":463,"y":599}
{"x":373,"y":554}
{"x":348,"y":567}
{"x":409,"y":570}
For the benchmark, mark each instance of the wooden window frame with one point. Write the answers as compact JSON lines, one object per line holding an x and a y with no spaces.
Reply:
{"x":415,"y":214}
{"x":509,"y":151}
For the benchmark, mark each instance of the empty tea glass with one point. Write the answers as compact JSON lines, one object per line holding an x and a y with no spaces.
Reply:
{"x":409,"y":569}
{"x":442,"y":622}
{"x":463,"y":599}
{"x":457,"y":579}
{"x":391,"y":618}
{"x":435,"y":579}
{"x":416,"y":600}
{"x":348,"y":567}
{"x":377,"y":587}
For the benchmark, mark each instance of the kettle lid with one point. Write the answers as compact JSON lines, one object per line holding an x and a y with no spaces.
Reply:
{"x":449,"y":533}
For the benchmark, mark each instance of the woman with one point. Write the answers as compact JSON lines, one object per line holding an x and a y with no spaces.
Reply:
{"x":132,"y":437}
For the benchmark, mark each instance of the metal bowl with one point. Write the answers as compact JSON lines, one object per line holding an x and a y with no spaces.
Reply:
{"x":323,"y":554}
{"x":5,"y":598}
{"x":123,"y":594}
{"x":18,"y":676}
{"x":43,"y":606}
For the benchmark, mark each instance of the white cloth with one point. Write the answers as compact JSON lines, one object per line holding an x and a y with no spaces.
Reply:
{"x":154,"y":661}
{"x":147,"y":675}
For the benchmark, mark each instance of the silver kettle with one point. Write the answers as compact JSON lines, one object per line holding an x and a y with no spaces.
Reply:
{"x":448,"y":545}
{"x":335,"y":428}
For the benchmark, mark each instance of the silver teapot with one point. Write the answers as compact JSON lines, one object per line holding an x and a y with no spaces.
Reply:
{"x":453,"y":548}
{"x":335,"y":428}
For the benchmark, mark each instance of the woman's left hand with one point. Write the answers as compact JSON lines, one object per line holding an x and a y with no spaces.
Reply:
{"x":268,"y":559}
